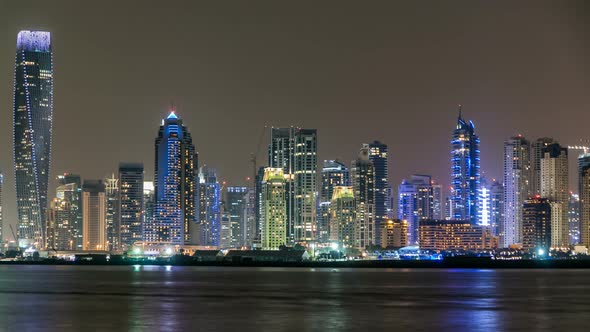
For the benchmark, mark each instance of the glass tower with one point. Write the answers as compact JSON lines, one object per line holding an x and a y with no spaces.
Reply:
{"x":334,"y":173}
{"x":465,"y":172}
{"x":131,"y":203}
{"x":33,"y":118}
{"x":378,"y":155}
{"x":209,"y":206}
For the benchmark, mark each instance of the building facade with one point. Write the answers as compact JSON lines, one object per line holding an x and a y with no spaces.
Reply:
{"x":465,"y":171}
{"x":343,"y":218}
{"x":33,"y":122}
{"x":234,"y":203}
{"x":334,"y":173}
{"x":554,"y":186}
{"x":94,"y":215}
{"x":536,"y":220}
{"x":379,"y":158}
{"x":363,"y":183}
{"x":131,"y":206}
{"x":455,"y":235}
{"x":584,"y":190}
{"x":70,"y":189}
{"x":113,"y":221}
{"x":209,"y":206}
{"x":394,"y":234}
{"x":417,"y":201}
{"x":59,"y":226}
{"x":274,"y":209}
{"x":536,"y":154}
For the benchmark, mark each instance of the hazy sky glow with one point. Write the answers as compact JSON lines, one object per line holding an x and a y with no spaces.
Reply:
{"x":356,"y":71}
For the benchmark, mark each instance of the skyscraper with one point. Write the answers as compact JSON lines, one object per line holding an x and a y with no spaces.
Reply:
{"x":416,"y":202}
{"x":33,"y":121}
{"x":235,"y":206}
{"x":70,"y":189}
{"x":517,"y":175}
{"x":209,"y":206}
{"x":584,"y":189}
{"x":295,"y":151}
{"x":536,"y":155}
{"x":334,"y":173}
{"x":536,"y":220}
{"x":344,"y":225}
{"x":574,"y":218}
{"x":94,"y":215}
{"x":274,"y":209}
{"x":149,"y":205}
{"x":363,"y":183}
{"x":465,"y":171}
{"x":131,"y":203}
{"x":378,"y":156}
{"x":59,"y":225}
{"x":113,"y":213}
{"x":554,"y":186}
{"x":174,"y":184}
{"x":497,"y":208}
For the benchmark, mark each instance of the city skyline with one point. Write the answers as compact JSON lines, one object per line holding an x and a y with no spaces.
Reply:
{"x":80,"y":127}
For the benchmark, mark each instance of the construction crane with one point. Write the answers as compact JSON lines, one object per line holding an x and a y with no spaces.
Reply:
{"x":254,"y":155}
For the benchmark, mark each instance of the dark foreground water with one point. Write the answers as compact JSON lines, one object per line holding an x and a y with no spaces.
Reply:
{"x":127,"y":298}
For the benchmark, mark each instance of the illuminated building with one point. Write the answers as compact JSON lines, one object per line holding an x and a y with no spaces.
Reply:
{"x":517,"y":178}
{"x":584,"y":189}
{"x":343,"y":218}
{"x":536,"y":224}
{"x":235,"y":208}
{"x":496,"y":208}
{"x":59,"y":225}
{"x":209,"y":207}
{"x":394,"y":234}
{"x":112,"y":214}
{"x":94,"y":215}
{"x":455,"y":235}
{"x":131,"y":203}
{"x":334,"y":173}
{"x":295,"y":151}
{"x":417,"y":201}
{"x":363,"y":182}
{"x":274,"y":209}
{"x":574,"y":218}
{"x":70,"y":189}
{"x":33,"y":121}
{"x":465,"y":171}
{"x":250,"y":213}
{"x":174,"y":185}
{"x":378,"y":156}
{"x":554,"y":186}
{"x":149,"y":204}
{"x":536,"y":155}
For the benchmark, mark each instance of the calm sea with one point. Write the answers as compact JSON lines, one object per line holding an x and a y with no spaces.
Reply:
{"x":154,"y":298}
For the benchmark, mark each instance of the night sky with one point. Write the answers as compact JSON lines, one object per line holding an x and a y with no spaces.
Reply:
{"x":357,"y":72}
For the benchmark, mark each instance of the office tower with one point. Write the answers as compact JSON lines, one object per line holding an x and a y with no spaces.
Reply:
{"x":554,"y":186}
{"x":343,"y":218}
{"x":455,"y":235}
{"x":94,"y":215}
{"x":584,"y":190}
{"x":416,"y":202}
{"x":70,"y":189}
{"x":497,"y":208}
{"x":363,"y":182}
{"x":465,"y":171}
{"x":33,"y":121}
{"x":149,"y":205}
{"x":235,"y":206}
{"x":517,"y":175}
{"x":209,"y":206}
{"x":274,"y":209}
{"x":1,"y":222}
{"x":536,"y":155}
{"x":59,"y":225}
{"x":175,"y":184}
{"x":334,"y":173}
{"x":131,"y":203}
{"x":394,"y":234}
{"x":438,"y":202}
{"x":112,"y":214}
{"x":536,"y":224}
{"x":574,"y":218}
{"x":250,"y":228}
{"x":295,"y":151}
{"x":378,"y":156}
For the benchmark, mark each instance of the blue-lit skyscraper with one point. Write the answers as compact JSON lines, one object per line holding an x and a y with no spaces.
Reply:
{"x":465,"y":171}
{"x":33,"y":120}
{"x":209,"y":206}
{"x":174,"y":185}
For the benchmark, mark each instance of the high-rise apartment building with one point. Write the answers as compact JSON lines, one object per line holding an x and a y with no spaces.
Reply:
{"x":274,"y":209}
{"x":517,"y":189}
{"x":362,"y":174}
{"x":417,"y":201}
{"x":131,"y":206}
{"x":149,"y":205}
{"x":209,"y":206}
{"x":334,"y":173}
{"x":497,"y":208}
{"x":113,"y":213}
{"x":536,"y":220}
{"x":465,"y":171}
{"x":379,"y":158}
{"x":234,"y":203}
{"x":574,"y":218}
{"x":94,"y":215}
{"x":536,"y":155}
{"x":33,"y":122}
{"x":70,"y":189}
{"x":59,"y":225}
{"x":344,"y":222}
{"x":554,"y":186}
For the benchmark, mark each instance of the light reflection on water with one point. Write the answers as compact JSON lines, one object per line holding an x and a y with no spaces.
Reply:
{"x":171,"y":298}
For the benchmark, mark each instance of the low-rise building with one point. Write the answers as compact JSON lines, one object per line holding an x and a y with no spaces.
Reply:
{"x":455,"y":235}
{"x":394,"y":233}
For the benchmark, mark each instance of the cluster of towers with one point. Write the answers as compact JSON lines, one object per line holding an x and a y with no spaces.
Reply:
{"x":289,"y":201}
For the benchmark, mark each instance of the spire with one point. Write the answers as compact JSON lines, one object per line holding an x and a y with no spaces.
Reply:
{"x":172,"y":109}
{"x":460,"y":115}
